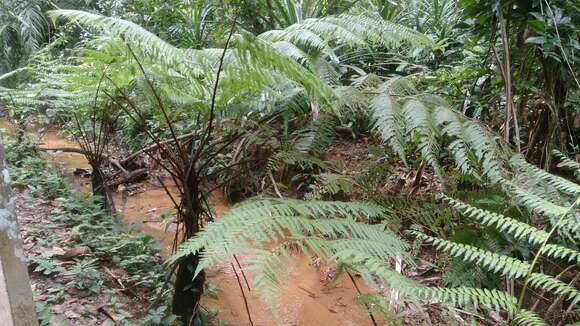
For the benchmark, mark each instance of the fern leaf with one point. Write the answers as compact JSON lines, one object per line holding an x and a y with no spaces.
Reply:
{"x":494,"y":262}
{"x":519,"y":230}
{"x":551,"y":179}
{"x":388,"y":122}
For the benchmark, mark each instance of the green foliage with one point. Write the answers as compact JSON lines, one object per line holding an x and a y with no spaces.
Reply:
{"x":428,"y":119}
{"x":329,"y":230}
{"x":92,"y":227}
{"x":567,"y":162}
{"x":23,"y":29}
{"x":509,"y":266}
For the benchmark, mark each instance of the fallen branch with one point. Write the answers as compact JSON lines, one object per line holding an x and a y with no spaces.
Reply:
{"x":63,"y":149}
{"x":153,"y":147}
{"x":129,"y":177}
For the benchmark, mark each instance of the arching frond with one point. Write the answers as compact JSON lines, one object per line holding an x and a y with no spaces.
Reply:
{"x":316,"y":227}
{"x":520,"y":230}
{"x":567,"y":162}
{"x":420,"y":120}
{"x":553,"y":180}
{"x":500,"y":264}
{"x":389,"y":123}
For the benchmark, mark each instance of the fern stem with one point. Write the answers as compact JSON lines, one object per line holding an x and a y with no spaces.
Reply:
{"x":537,"y":256}
{"x":360,"y":293}
{"x":243,"y":295}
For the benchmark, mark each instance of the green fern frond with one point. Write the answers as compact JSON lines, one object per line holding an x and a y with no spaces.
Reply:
{"x":556,"y":251}
{"x":331,"y":183}
{"x":316,"y":227}
{"x":549,"y":283}
{"x":494,"y":262}
{"x":533,"y":202}
{"x":290,"y":50}
{"x":486,"y":149}
{"x":459,"y":148}
{"x":128,"y":30}
{"x":549,"y":178}
{"x":466,"y":296}
{"x":420,"y":120}
{"x":500,"y":264}
{"x":267,"y":219}
{"x":303,"y":39}
{"x":389,"y":123}
{"x":529,"y":318}
{"x":371,"y":268}
{"x":567,"y":162}
{"x":294,"y":157}
{"x":520,"y":230}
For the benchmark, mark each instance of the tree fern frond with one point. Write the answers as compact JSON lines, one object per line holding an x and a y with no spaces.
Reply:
{"x":127,"y":30}
{"x":485,"y":148}
{"x":420,"y":119}
{"x":290,"y":50}
{"x":398,"y":86}
{"x":372,"y":267}
{"x":557,"y":251}
{"x":533,"y":202}
{"x":319,"y":227}
{"x":552,"y":284}
{"x":520,"y":230}
{"x":293,"y":157}
{"x":269,"y":217}
{"x":494,"y":262}
{"x":459,"y":148}
{"x":331,"y":183}
{"x":389,"y":123}
{"x":551,"y":179}
{"x":529,"y":318}
{"x":303,"y":39}
{"x":500,"y":264}
{"x":567,"y":162}
{"x":467,"y":296}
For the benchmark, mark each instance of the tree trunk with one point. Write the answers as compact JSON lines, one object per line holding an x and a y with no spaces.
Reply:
{"x":188,"y":290}
{"x":99,"y":188}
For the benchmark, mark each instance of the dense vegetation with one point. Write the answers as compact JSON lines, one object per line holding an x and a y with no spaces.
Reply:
{"x":478,"y":101}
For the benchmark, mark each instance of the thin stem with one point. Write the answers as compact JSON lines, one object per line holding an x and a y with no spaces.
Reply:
{"x":243,"y":294}
{"x":242,"y":271}
{"x":159,"y":103}
{"x":207,"y":132}
{"x":359,"y":292}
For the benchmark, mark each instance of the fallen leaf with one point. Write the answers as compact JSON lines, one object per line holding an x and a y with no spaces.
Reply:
{"x":74,"y":252}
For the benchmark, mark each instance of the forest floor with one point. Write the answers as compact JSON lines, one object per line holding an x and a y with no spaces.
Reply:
{"x":69,"y":287}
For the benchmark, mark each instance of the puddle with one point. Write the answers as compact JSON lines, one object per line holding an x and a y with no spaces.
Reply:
{"x":306,"y":297}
